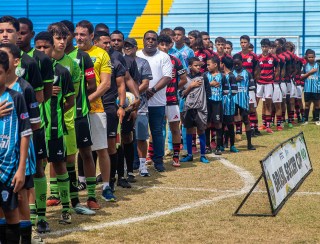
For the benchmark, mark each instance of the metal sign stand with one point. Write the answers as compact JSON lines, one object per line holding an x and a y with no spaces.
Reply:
{"x":236,"y":213}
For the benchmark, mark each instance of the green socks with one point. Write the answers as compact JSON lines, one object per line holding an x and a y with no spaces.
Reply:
{"x":63,"y":185}
{"x":33,"y":213}
{"x":74,"y":195}
{"x":91,"y":187}
{"x":54,"y":190}
{"x":40,"y":186}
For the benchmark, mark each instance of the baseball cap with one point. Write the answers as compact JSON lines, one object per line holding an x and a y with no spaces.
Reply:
{"x":131,"y":41}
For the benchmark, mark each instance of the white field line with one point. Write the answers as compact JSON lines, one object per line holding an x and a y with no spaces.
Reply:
{"x":299,"y":193}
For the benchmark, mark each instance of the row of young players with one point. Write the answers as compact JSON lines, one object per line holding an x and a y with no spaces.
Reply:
{"x":279,"y":84}
{"x":190,"y":65}
{"x":277,"y":79}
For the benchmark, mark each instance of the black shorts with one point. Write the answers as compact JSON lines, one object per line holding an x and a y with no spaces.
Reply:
{"x":243,"y":113}
{"x":112,"y":120}
{"x":127,"y":126}
{"x":311,"y":96}
{"x":215,"y":111}
{"x":83,"y":131}
{"x":8,"y":199}
{"x":28,"y":183}
{"x":39,"y":141}
{"x":56,"y":150}
{"x":194,"y":118}
{"x":228,"y":119}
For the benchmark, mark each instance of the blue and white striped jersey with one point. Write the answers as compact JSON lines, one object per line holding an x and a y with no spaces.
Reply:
{"x":12,"y":128}
{"x":216,"y":92}
{"x":312,"y":83}
{"x":186,"y":53}
{"x":245,"y":85}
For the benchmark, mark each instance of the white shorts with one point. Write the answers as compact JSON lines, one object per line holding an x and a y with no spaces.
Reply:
{"x":293,"y":93}
{"x":98,"y":123}
{"x":284,"y":90}
{"x":172,"y":113}
{"x":289,"y":88}
{"x":252,"y":98}
{"x":299,"y":91}
{"x":277,"y":93}
{"x":265,"y":90}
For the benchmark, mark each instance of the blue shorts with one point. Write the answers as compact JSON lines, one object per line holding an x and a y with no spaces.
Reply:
{"x":141,"y":127}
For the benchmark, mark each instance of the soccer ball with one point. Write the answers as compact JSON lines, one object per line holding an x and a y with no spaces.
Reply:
{"x":129,"y":99}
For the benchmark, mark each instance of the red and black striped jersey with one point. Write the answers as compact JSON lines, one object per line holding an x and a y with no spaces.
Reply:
{"x":172,"y":87}
{"x":267,"y":66}
{"x":249,"y":61}
{"x":203,"y":56}
{"x":299,"y":65}
{"x":282,"y":62}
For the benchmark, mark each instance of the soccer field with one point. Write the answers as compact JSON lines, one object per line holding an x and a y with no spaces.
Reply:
{"x":195,"y":203}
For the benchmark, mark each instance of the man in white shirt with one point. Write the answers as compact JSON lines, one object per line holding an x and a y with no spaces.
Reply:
{"x":161,"y":68}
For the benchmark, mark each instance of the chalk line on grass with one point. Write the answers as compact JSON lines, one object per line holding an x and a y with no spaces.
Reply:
{"x":246,"y":176}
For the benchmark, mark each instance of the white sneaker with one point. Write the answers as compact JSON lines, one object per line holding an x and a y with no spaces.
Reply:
{"x":318,"y":123}
{"x":305,"y":123}
{"x":144,"y":171}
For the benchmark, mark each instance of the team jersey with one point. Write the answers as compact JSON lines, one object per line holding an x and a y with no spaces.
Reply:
{"x":267,"y":65}
{"x":230,"y":90}
{"x":44,"y":63}
{"x":178,"y":56}
{"x":12,"y":128}
{"x":118,"y":70}
{"x":55,"y":125}
{"x":203,"y":56}
{"x":87,"y":72}
{"x":289,"y":65}
{"x":312,"y":83}
{"x":24,"y":88}
{"x":145,"y":73}
{"x":249,"y":61}
{"x":299,"y":65}
{"x":132,"y":68}
{"x":216,"y":92}
{"x":76,"y":77}
{"x":29,"y":70}
{"x":186,"y":53}
{"x":244,"y":86}
{"x":282,"y":66}
{"x":172,"y":87}
{"x":102,"y":64}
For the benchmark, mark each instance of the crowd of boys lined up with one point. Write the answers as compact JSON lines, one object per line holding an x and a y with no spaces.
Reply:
{"x":57,"y":100}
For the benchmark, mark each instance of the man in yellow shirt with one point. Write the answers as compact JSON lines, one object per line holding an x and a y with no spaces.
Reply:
{"x":98,"y":120}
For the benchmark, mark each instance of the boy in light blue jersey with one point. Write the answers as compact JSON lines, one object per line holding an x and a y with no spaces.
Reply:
{"x":217,"y":83}
{"x":311,"y":77}
{"x":23,"y":87}
{"x":245,"y":84}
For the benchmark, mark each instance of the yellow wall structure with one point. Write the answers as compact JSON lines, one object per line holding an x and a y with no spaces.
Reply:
{"x":150,"y":19}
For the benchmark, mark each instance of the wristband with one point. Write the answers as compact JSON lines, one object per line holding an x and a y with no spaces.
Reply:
{"x":154,"y":90}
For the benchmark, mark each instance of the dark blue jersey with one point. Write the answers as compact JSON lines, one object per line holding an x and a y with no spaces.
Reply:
{"x":229,"y":91}
{"x":12,"y":128}
{"x":23,"y":87}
